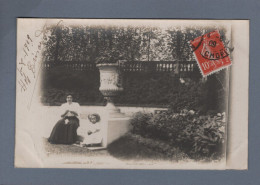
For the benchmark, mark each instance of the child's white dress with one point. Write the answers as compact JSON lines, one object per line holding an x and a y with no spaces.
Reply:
{"x":96,"y":136}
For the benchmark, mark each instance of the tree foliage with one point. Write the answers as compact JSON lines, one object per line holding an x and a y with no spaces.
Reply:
{"x":113,"y":43}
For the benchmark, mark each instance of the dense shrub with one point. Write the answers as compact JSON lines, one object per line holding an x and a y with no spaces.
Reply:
{"x":147,"y":88}
{"x":200,"y":96}
{"x":140,"y":123}
{"x":197,"y":135}
{"x":140,"y":89}
{"x":189,"y":96}
{"x":57,"y":82}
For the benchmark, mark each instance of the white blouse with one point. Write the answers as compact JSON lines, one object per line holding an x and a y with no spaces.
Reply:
{"x":71,"y":107}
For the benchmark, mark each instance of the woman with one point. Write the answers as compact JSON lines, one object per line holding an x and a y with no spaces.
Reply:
{"x":65,"y":130}
{"x":94,"y":134}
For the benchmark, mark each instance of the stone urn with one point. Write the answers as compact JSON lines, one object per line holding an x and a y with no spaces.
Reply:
{"x":110,"y":86}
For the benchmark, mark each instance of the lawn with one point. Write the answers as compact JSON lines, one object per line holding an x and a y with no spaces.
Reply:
{"x":125,"y":148}
{"x":56,"y":149}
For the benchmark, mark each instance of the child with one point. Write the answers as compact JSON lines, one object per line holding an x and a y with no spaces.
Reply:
{"x":94,"y":134}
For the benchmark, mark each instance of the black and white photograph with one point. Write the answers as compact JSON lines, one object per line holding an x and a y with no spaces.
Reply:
{"x":132,"y":93}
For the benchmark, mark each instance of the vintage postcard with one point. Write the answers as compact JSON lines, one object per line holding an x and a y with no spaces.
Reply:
{"x":132,"y":94}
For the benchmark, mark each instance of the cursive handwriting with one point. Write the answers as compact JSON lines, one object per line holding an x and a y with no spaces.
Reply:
{"x":24,"y":81}
{"x":27,"y":63}
{"x":45,"y":29}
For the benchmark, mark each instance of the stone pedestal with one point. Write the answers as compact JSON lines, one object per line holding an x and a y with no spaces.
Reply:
{"x":115,"y":128}
{"x":116,"y":124}
{"x":112,"y":110}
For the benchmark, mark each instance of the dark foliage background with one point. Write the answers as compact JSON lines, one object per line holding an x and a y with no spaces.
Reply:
{"x":161,"y":89}
{"x":94,"y":44}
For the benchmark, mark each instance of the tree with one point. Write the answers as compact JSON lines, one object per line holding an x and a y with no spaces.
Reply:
{"x":105,"y":44}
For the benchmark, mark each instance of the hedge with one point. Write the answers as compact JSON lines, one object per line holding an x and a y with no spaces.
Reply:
{"x":140,"y":88}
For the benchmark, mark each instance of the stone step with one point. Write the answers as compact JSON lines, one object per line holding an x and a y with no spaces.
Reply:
{"x":96,"y":148}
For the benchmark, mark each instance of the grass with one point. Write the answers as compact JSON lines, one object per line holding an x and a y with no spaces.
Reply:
{"x":125,"y":148}
{"x":57,"y":149}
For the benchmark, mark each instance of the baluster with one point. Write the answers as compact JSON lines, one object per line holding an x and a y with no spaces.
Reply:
{"x":162,"y":67}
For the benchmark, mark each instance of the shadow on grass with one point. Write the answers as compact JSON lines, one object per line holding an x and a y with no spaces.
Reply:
{"x":127,"y":148}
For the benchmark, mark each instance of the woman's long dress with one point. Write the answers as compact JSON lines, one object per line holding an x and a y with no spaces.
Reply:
{"x":63,"y":133}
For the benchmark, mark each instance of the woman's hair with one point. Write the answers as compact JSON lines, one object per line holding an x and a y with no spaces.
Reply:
{"x":96,"y":115}
{"x":69,"y":95}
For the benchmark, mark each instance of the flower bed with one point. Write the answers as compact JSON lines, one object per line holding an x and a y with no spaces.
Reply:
{"x":196,"y":135}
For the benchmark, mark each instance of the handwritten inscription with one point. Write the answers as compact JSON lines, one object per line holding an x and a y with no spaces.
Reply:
{"x":24,"y":81}
{"x":26,"y":66}
{"x":31,"y":51}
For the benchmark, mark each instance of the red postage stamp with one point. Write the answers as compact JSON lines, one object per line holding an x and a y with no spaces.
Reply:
{"x":210,"y":53}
